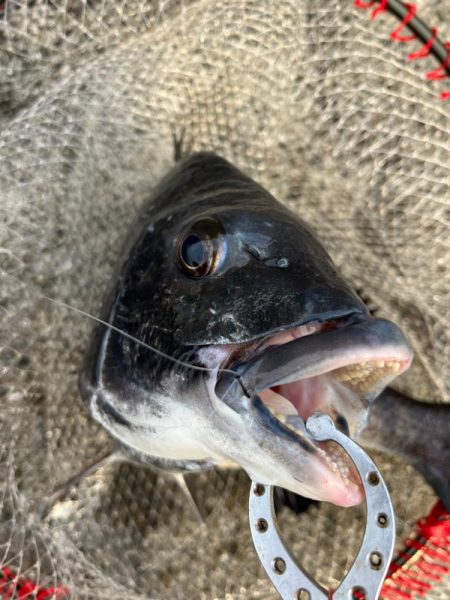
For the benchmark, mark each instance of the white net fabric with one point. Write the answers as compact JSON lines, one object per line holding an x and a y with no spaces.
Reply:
{"x":315,"y":103}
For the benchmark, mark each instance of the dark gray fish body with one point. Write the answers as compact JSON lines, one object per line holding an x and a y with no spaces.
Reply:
{"x":218,"y":275}
{"x":418,"y":432}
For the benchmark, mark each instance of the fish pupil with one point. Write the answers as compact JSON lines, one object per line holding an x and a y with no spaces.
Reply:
{"x":192,"y":251}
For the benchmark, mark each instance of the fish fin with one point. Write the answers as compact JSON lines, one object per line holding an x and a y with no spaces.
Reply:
{"x":181,"y":147}
{"x":185,"y":485}
{"x":62,"y":489}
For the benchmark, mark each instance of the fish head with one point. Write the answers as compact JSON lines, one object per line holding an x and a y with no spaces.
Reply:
{"x":229,"y":326}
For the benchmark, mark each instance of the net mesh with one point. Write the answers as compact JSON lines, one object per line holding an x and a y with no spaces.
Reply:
{"x":314,"y":102}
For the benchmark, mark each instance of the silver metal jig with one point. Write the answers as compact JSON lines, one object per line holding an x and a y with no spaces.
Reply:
{"x":370,"y":566}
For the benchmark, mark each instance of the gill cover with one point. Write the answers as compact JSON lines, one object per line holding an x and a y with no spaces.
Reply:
{"x":270,"y":271}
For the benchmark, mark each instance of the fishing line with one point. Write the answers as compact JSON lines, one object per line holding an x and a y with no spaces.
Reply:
{"x":140,"y":342}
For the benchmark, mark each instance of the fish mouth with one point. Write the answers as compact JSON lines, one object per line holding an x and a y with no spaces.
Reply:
{"x":337,"y":367}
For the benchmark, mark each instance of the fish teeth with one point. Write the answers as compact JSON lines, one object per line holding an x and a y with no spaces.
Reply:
{"x":364,"y":375}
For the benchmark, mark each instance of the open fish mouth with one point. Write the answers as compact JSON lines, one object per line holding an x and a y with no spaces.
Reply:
{"x":337,"y":367}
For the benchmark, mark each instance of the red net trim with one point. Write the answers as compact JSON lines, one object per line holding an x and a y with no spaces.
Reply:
{"x":380,"y":6}
{"x":13,"y":587}
{"x":424,"y":561}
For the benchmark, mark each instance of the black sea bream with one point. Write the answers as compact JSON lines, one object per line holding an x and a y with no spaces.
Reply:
{"x":254,"y":329}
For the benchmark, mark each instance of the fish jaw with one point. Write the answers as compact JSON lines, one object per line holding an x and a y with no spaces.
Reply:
{"x":352,"y":364}
{"x":325,"y":475}
{"x":273,"y":454}
{"x":261,"y":430}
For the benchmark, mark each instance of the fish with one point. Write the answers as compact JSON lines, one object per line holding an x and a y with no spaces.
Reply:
{"x":226,"y":327}
{"x":416,"y":431}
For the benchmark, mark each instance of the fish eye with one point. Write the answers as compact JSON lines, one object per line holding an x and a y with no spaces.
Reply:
{"x":201,"y":248}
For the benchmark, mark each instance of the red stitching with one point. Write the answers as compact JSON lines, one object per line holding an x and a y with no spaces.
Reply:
{"x":395,"y":35}
{"x":362,"y":4}
{"x":382,"y":8}
{"x":441,"y":72}
{"x":383,"y":5}
{"x":373,"y":15}
{"x":426,"y":48}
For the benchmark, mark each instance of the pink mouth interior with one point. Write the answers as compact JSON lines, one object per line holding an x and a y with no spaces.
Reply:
{"x":355,"y":375}
{"x":307,"y":396}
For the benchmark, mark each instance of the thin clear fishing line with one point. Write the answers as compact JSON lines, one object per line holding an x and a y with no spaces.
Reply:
{"x":138,"y":341}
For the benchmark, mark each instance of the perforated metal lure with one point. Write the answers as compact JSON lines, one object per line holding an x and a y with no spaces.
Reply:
{"x":366,"y":576}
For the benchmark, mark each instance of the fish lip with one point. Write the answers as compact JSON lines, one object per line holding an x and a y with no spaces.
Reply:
{"x":328,"y":483}
{"x":355,"y":339}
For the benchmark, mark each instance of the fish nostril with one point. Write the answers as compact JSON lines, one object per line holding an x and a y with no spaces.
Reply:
{"x":342,"y":424}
